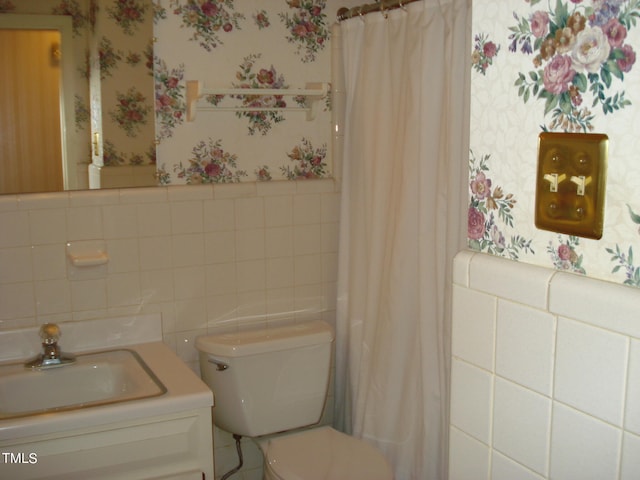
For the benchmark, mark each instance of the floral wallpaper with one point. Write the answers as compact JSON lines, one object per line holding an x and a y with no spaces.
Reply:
{"x":577,"y":53}
{"x":204,"y":19}
{"x":242,"y":44}
{"x":564,"y":66}
{"x":490,"y":214}
{"x":124,"y":29}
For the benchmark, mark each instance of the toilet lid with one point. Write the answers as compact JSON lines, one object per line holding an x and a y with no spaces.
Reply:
{"x":322,"y":453}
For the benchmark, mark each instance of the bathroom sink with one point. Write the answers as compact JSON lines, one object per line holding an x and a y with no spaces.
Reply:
{"x":94,"y":379}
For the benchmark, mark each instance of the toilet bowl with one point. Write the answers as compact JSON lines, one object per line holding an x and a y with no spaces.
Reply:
{"x":275,"y":380}
{"x":322,"y":453}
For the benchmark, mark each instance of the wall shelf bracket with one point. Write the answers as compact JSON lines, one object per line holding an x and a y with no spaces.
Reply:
{"x":254,"y":99}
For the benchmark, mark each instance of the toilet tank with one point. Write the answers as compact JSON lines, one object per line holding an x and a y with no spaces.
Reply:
{"x":267,"y":380}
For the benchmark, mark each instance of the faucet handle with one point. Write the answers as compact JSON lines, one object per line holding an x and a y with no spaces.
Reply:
{"x":50,"y":333}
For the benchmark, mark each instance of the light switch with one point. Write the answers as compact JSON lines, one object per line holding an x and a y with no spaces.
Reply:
{"x":570,"y":186}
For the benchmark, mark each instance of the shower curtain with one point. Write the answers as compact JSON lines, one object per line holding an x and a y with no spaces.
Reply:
{"x":403,"y":218}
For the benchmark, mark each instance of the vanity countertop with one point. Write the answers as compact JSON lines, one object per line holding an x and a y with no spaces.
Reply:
{"x":142,"y":334}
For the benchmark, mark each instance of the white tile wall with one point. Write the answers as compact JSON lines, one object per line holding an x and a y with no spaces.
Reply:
{"x":521,"y":420}
{"x":471,"y":400}
{"x":632,"y":411}
{"x":525,"y":345}
{"x":591,"y":369}
{"x":503,"y":468}
{"x":507,"y":281}
{"x":205,"y":257}
{"x":475,"y":454}
{"x":572,"y":297}
{"x":473,"y":327}
{"x":545,"y":374}
{"x":630,"y":457}
{"x":583,"y":446}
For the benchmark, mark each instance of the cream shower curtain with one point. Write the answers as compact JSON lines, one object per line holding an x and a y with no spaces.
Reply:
{"x":403,"y":218}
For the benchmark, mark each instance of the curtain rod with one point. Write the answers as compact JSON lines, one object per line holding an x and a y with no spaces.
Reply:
{"x":345,"y":13}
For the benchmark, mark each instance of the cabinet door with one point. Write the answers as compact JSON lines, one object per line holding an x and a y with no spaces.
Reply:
{"x":176,"y":448}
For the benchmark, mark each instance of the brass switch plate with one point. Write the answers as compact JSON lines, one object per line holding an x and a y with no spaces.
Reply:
{"x":570,"y":185}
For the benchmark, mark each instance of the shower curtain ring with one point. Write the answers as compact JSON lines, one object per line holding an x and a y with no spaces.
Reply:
{"x":360,"y":14}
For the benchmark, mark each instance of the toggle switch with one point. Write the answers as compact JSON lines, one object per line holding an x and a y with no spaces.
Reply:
{"x":554,"y":179}
{"x":581,"y":182}
{"x":575,"y":207}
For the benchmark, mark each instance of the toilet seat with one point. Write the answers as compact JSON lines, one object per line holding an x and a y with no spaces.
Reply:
{"x":322,"y":453}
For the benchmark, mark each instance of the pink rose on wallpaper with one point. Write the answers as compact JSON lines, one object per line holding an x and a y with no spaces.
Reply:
{"x":163,"y":101}
{"x":564,"y":252}
{"x":212,"y":169}
{"x":565,"y":257}
{"x":615,"y":32}
{"x":209,"y":9}
{"x":558,"y":74}
{"x":266,"y":76}
{"x":172,"y":82}
{"x":591,"y":50}
{"x":540,"y":24}
{"x":490,"y":49}
{"x":481,"y":186}
{"x":629,"y":59}
{"x":262,"y":20}
{"x":300,"y":30}
{"x":475,"y":224}
{"x":134,"y":116}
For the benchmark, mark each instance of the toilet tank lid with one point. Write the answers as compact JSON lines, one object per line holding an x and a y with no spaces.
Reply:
{"x":256,"y":341}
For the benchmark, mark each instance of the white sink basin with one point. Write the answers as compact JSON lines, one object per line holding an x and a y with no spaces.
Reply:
{"x":94,"y":379}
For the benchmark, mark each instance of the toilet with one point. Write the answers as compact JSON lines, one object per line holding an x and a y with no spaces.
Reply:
{"x":274,"y":380}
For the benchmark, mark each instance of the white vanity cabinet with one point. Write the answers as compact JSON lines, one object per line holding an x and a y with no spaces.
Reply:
{"x":176,"y":447}
{"x":164,"y":436}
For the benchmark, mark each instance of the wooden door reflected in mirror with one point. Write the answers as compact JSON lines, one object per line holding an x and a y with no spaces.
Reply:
{"x":30,"y":97}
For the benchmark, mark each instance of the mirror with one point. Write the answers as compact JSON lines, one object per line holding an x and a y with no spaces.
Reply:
{"x":93,"y":123}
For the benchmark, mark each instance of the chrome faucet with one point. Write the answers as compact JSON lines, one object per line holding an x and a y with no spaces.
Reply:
{"x":52,"y":356}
